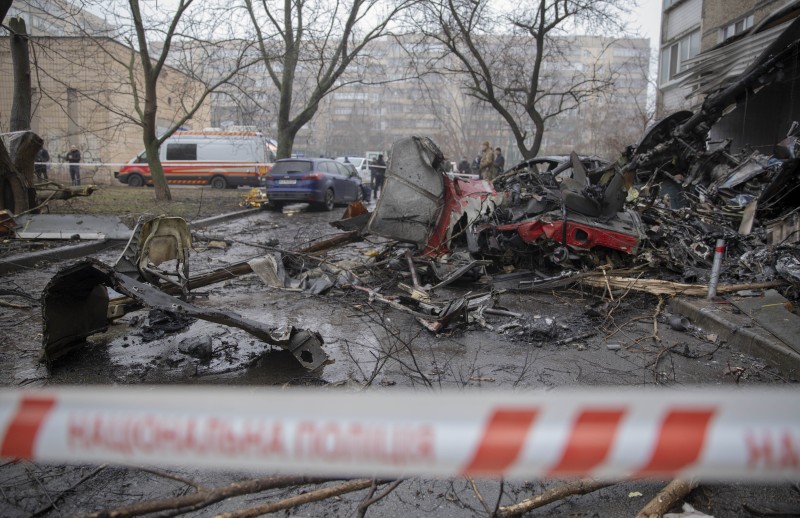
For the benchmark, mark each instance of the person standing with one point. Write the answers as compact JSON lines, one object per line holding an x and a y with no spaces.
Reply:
{"x":40,"y":167}
{"x":378,"y":172}
{"x":487,"y":162}
{"x":74,"y":158}
{"x":499,"y":162}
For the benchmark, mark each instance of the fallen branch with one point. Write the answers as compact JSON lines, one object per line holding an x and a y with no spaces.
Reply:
{"x":583,"y":336}
{"x":480,"y":496}
{"x":659,"y":287}
{"x":176,"y":478}
{"x":577,"y":487}
{"x":52,"y":503}
{"x":305,"y":498}
{"x":372,"y":498}
{"x":5,"y":304}
{"x":205,"y":498}
{"x":660,"y":306}
{"x":672,"y":493}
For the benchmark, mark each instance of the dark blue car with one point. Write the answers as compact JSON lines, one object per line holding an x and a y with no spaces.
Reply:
{"x":320,"y":181}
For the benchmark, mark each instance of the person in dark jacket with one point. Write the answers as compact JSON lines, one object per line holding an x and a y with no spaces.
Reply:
{"x":377,"y":171}
{"x":40,"y":167}
{"x":74,"y":158}
{"x":499,"y":162}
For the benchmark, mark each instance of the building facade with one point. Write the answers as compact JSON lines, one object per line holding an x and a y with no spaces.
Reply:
{"x":726,"y":38}
{"x":82,"y":93}
{"x":690,"y":27}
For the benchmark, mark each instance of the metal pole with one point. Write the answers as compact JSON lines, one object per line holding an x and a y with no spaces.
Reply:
{"x":719,"y":251}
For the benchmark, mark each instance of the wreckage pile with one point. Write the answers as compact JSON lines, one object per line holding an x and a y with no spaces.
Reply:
{"x":749,"y":201}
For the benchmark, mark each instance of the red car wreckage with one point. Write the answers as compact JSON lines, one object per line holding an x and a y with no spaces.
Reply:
{"x":523,"y":216}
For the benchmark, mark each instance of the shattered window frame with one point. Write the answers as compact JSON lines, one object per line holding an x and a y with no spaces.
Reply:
{"x":675,"y":55}
{"x":738,"y":27}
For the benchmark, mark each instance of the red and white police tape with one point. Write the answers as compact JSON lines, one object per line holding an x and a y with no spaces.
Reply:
{"x":606,"y":433}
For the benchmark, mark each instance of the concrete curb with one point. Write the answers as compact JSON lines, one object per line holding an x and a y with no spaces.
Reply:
{"x":19,"y":262}
{"x":741,"y":332}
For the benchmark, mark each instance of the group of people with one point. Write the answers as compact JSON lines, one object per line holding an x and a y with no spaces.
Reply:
{"x":487,"y":165}
{"x":73,"y":157}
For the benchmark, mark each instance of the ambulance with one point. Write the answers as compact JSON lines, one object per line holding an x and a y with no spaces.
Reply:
{"x":221,"y":159}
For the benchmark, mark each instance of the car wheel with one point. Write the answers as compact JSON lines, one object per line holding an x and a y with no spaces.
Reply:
{"x":360,"y":193}
{"x":328,"y":203}
{"x":218,"y":182}
{"x":135,"y":180}
{"x":275,"y":205}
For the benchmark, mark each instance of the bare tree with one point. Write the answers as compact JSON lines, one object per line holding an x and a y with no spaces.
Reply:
{"x":509,"y":59}
{"x":16,"y":169}
{"x":307,"y":45}
{"x":151,"y":67}
{"x":152,"y":53}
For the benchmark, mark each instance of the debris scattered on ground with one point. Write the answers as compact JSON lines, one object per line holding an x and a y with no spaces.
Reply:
{"x":256,"y":198}
{"x":161,"y":322}
{"x":75,"y":305}
{"x":200,"y":347}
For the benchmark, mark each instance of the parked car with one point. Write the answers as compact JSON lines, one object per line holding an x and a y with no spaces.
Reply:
{"x":361,"y":165}
{"x":220,"y":159}
{"x":321,"y":181}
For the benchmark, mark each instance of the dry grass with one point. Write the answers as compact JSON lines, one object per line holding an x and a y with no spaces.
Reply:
{"x":129,"y":203}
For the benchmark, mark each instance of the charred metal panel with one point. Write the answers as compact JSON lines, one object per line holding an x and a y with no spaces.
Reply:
{"x":75,"y":303}
{"x":413,"y":191}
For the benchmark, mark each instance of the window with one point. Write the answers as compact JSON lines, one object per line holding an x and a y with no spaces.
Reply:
{"x":674,"y":57}
{"x":342,"y":169}
{"x":735,"y":28}
{"x":291,"y":166}
{"x":181,"y":151}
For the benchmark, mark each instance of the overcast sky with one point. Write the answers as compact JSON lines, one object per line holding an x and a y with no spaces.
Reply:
{"x":647,"y":20}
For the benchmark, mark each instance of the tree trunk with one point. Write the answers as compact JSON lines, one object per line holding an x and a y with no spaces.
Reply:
{"x":21,"y":102}
{"x":16,"y":164}
{"x":14,"y":189}
{"x":23,"y":153}
{"x":157,"y":171}
{"x":151,"y":144}
{"x":287,"y":130}
{"x":285,"y":142}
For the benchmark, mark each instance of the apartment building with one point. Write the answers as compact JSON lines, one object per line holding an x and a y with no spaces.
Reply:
{"x":388,"y":95}
{"x":358,"y":117}
{"x":725,"y":38}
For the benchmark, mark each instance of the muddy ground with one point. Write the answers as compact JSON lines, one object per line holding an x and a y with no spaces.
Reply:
{"x":372,"y":348}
